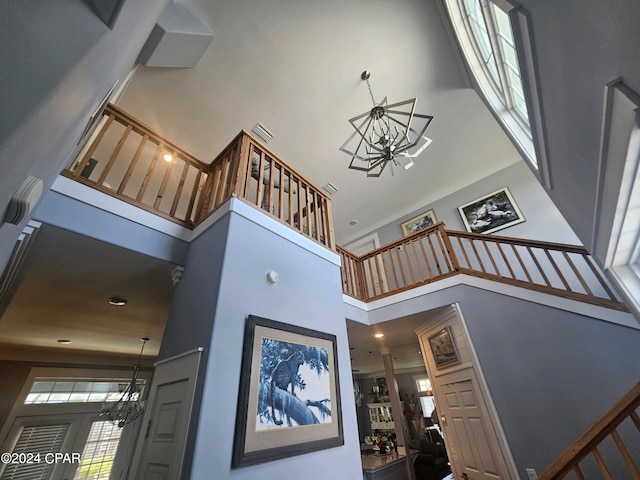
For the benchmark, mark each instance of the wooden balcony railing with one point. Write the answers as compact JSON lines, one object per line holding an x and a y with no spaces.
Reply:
{"x":126,"y":159}
{"x":435,"y":253}
{"x":608,"y":447}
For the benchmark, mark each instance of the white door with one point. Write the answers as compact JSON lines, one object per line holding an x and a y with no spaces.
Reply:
{"x":164,"y":432}
{"x":476,"y":450}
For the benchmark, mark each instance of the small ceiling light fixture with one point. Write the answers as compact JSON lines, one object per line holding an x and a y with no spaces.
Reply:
{"x":385,"y":135}
{"x":64,"y":341}
{"x":167,"y":157}
{"x":130,"y":405}
{"x":117,"y":301}
{"x":379,"y":335}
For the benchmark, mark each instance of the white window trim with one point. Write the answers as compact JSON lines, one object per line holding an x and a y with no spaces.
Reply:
{"x":529,"y":140}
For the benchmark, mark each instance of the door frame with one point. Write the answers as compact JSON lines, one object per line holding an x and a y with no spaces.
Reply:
{"x":468,"y":360}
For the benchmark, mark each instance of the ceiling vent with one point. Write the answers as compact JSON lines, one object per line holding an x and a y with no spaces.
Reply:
{"x":23,"y":200}
{"x":262,"y":132}
{"x":330,"y":188}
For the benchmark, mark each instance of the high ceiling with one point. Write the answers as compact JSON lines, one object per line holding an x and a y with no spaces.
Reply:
{"x":295,"y":67}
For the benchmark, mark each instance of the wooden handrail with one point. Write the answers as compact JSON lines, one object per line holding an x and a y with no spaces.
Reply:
{"x":435,"y":253}
{"x":587,"y":444}
{"x":125,"y":160}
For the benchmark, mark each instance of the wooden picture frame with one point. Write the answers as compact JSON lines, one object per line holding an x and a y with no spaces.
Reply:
{"x":443,"y":348}
{"x":271,"y":421}
{"x":491,"y":213}
{"x":419,"y":222}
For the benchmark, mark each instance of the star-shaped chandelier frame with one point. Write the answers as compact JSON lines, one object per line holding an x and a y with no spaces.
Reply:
{"x":385,"y":135}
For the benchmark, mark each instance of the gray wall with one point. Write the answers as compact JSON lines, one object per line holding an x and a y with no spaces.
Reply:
{"x":58,"y":61}
{"x":543,"y":221}
{"x":308,"y":294}
{"x":580,"y":46}
{"x":551,"y":373}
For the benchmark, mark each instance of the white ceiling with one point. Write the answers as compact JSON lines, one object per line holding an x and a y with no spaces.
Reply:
{"x":294,"y":66}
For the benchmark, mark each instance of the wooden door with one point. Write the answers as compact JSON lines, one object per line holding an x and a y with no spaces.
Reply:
{"x":475,"y":447}
{"x":166,"y":423}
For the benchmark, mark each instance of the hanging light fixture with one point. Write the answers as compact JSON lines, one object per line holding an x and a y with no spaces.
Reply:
{"x":385,"y":135}
{"x":130,"y":405}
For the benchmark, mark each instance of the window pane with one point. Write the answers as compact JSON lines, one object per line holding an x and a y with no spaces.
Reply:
{"x":77,"y":391}
{"x":99,"y":452}
{"x":480,"y":35}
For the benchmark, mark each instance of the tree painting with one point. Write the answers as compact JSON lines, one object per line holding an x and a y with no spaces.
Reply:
{"x":294,"y":385}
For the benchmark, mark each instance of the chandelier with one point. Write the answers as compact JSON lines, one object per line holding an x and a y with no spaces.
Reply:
{"x":130,"y":405}
{"x":385,"y":135}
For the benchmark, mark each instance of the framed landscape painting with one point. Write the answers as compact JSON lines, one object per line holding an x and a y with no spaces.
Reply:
{"x":443,"y":349}
{"x":491,"y":213}
{"x":289,"y":397}
{"x":424,"y":220}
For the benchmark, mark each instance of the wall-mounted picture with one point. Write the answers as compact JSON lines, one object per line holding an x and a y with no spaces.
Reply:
{"x":491,"y":213}
{"x":422,"y":221}
{"x":443,"y":349}
{"x":289,"y":398}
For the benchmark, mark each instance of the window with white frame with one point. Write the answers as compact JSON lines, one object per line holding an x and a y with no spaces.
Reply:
{"x":425,"y":394}
{"x":487,"y":41}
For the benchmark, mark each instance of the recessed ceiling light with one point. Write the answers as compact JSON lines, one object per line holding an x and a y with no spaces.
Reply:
{"x":167,"y":157}
{"x":353,"y":222}
{"x":117,"y":301}
{"x":379,"y":335}
{"x":64,"y":341}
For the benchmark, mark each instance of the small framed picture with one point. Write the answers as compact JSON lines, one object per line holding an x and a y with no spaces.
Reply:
{"x":443,"y":349}
{"x":491,"y":212}
{"x":289,"y":398}
{"x":424,"y":220}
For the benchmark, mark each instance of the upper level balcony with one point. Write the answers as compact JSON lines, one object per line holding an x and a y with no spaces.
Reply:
{"x":129,"y":161}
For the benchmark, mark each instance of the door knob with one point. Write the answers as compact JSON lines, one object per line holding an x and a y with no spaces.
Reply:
{"x":443,"y":419}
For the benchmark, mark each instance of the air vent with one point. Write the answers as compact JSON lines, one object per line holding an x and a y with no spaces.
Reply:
{"x":262,"y":132}
{"x":330,"y":188}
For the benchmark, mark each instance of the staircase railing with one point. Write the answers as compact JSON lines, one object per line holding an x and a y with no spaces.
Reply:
{"x":435,"y":253}
{"x":130,"y":161}
{"x":620,"y":426}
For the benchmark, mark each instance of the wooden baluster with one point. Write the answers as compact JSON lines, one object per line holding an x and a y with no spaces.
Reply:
{"x":205,"y":198}
{"x":330,"y":243}
{"x":449,"y":248}
{"x":421,"y":239}
{"x":290,"y":200}
{"x":435,"y":255}
{"x":415,"y":256}
{"x":281,"y":191}
{"x":316,"y":219}
{"x":400,"y":267}
{"x":386,"y":274}
{"x":260,"y":191}
{"x":194,"y":194}
{"x":559,"y":273}
{"x":444,"y":251}
{"x":406,"y":255}
{"x":178,"y":194}
{"x":87,"y":156}
{"x":229,"y":175}
{"x":393,"y":269}
{"x":535,"y":260}
{"x":633,"y":468}
{"x":114,"y":155}
{"x":269,"y":200}
{"x":216,"y":174}
{"x":636,"y":420}
{"x":578,"y":472}
{"x":506,"y":261}
{"x":378,"y":275}
{"x":244,"y":166}
{"x":473,"y":247}
{"x":577,"y":273}
{"x":145,"y":180}
{"x":464,"y":253}
{"x":601,"y":464}
{"x":133,"y":163}
{"x":603,"y":283}
{"x":307,"y":196}
{"x":524,"y":268}
{"x":493,"y":263}
{"x":163,"y":185}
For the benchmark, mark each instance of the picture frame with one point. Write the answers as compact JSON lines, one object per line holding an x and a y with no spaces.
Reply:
{"x":275,"y":419}
{"x":419,"y":222}
{"x":491,"y":212}
{"x":443,"y":348}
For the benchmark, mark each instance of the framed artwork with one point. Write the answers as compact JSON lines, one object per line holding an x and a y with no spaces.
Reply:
{"x":289,"y":397}
{"x":424,"y":220}
{"x":491,"y":213}
{"x":443,"y":349}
